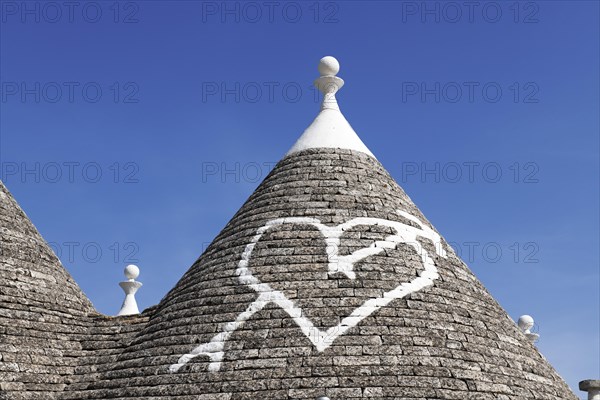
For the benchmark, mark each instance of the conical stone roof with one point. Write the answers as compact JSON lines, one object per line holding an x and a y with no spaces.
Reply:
{"x":28,"y":259}
{"x":41,"y":310}
{"x":329,"y":281}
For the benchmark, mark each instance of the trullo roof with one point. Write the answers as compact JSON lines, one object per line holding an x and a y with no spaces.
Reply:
{"x":328,"y":281}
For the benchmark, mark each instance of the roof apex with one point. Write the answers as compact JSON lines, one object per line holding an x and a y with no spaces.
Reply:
{"x":42,"y":278}
{"x":330,"y":129}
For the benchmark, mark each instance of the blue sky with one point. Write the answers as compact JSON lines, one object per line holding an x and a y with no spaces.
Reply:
{"x":133,"y":131}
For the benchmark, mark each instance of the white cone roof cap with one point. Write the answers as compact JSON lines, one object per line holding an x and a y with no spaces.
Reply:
{"x":330,"y":129}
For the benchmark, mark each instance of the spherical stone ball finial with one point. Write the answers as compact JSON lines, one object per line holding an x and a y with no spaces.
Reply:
{"x":329,"y":66}
{"x":131,"y":271}
{"x":525,"y":322}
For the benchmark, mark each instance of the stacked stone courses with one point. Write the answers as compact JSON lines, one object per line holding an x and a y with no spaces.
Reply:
{"x":450,"y":340}
{"x":42,"y":312}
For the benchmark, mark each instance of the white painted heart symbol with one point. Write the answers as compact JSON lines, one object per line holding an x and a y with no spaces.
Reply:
{"x":343,"y":264}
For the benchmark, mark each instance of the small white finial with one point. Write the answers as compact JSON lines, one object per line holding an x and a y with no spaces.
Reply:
{"x":330,"y":129}
{"x":328,"y":83}
{"x":592,"y":387}
{"x":130,"y":287}
{"x":329,"y":66}
{"x":525,"y":323}
{"x":131,"y":272}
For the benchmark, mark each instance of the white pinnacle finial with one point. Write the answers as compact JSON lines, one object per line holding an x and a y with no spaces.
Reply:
{"x":525,"y":323}
{"x":130,"y":287}
{"x":329,"y":66}
{"x":131,"y":272}
{"x":330,"y":129}
{"x":592,"y":387}
{"x":328,"y":83}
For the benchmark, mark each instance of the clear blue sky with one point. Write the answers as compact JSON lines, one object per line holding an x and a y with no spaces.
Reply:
{"x":183,"y":106}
